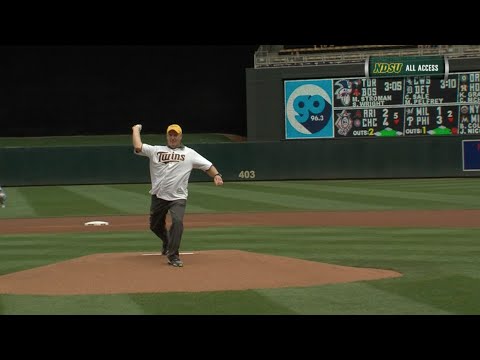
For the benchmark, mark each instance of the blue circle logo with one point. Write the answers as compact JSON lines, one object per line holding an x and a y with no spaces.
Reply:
{"x":309,"y":109}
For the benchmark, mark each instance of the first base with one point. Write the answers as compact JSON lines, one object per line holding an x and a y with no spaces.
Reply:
{"x":96,"y":223}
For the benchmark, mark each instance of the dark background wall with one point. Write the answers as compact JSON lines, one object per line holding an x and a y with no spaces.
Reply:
{"x":83,"y":90}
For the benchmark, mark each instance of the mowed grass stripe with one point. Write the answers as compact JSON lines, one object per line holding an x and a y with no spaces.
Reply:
{"x":339,"y":233}
{"x":143,"y":190}
{"x":118,"y":200}
{"x":58,"y":247}
{"x":325,"y":199}
{"x":426,"y":183}
{"x":69,"y":239}
{"x":12,"y":265}
{"x":221,"y":201}
{"x":48,"y":201}
{"x":356,"y":298}
{"x":17,"y":205}
{"x":379,"y":257}
{"x":454,"y":293}
{"x":74,"y":242}
{"x":206,"y":303}
{"x":74,"y":250}
{"x":423,"y":197}
{"x":344,"y":199}
{"x":280,"y":199}
{"x":356,"y":244}
{"x":193,"y":207}
{"x":435,"y":198}
{"x":139,"y":189}
{"x":132,"y":199}
{"x":210,"y":303}
{"x":69,"y":305}
{"x":450,"y":186}
{"x":457,"y":186}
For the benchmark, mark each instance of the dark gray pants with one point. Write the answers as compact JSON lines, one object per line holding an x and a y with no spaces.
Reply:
{"x":172,"y":237}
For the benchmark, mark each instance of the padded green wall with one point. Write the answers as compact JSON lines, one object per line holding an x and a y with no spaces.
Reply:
{"x":280,"y":160}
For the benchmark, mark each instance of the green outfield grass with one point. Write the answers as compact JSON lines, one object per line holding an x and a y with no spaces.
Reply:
{"x":248,"y":196}
{"x":440,"y":267}
{"x":100,"y":140}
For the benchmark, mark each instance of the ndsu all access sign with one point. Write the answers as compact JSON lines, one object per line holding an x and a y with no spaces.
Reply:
{"x":379,"y":66}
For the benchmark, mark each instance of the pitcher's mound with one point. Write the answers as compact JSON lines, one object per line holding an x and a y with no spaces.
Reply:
{"x":213,"y":270}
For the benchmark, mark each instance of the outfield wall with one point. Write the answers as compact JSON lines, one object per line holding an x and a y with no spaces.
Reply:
{"x":246,"y":161}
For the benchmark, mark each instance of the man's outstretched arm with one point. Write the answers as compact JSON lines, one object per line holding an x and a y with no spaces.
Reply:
{"x":136,"y":139}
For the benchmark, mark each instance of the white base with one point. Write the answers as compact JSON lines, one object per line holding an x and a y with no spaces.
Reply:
{"x":96,"y":223}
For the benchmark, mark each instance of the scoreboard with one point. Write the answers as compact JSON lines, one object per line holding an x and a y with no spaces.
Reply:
{"x":381,"y":107}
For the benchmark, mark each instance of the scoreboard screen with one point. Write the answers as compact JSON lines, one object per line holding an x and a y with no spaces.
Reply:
{"x":379,"y":107}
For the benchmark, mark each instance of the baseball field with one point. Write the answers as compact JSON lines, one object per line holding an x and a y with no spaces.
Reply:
{"x":407,"y":246}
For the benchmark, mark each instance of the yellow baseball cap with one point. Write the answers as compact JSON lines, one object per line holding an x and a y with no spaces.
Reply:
{"x":175,"y":128}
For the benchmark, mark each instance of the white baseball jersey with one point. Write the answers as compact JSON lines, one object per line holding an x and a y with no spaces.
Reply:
{"x":170,"y":169}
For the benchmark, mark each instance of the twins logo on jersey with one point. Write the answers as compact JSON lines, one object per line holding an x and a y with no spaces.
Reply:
{"x":166,"y":157}
{"x":308,"y":108}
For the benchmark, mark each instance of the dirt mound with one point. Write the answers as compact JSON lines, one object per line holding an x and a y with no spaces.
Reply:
{"x":213,"y":270}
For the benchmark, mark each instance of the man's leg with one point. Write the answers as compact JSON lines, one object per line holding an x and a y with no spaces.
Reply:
{"x":158,"y":215}
{"x":177,"y":212}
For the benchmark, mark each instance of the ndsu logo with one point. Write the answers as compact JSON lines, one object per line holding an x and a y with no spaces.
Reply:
{"x":387,"y":68}
{"x":309,"y":109}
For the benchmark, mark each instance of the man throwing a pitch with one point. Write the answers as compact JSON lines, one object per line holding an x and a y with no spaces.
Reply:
{"x":170,"y":168}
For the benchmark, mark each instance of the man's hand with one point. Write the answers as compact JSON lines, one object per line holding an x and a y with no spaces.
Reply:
{"x":139,"y":126}
{"x":218,"y":180}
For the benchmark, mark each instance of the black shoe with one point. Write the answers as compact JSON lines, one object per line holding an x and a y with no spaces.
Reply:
{"x":175,"y":262}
